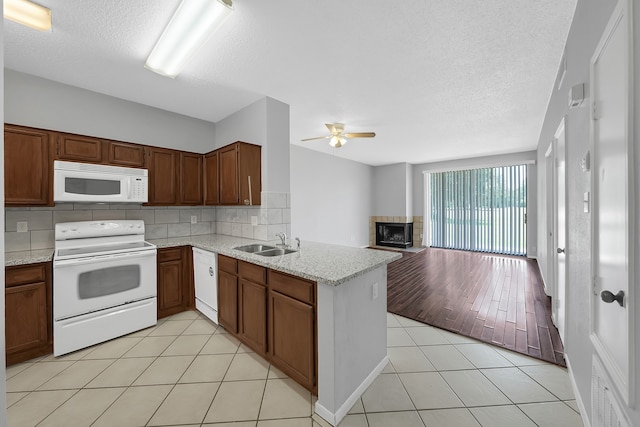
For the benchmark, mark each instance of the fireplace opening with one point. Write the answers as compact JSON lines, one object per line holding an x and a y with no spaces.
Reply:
{"x":394,"y":234}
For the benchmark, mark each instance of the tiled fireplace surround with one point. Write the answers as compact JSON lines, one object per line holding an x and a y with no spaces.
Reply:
{"x":160,"y":221}
{"x":417,"y":227}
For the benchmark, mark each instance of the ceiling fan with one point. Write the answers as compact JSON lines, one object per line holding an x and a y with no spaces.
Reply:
{"x":338,"y":137}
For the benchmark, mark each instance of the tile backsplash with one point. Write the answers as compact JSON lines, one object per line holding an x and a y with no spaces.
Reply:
{"x":160,"y":221}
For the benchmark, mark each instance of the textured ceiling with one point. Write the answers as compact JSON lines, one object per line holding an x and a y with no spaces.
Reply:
{"x":435,"y":79}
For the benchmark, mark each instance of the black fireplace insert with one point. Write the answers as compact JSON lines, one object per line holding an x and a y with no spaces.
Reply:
{"x":394,"y":234}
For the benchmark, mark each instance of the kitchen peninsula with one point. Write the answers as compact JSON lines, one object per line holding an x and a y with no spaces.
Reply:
{"x":351,"y":310}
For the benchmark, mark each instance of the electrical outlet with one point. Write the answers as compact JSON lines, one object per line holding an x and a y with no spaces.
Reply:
{"x":374,"y":291}
{"x":194,"y":219}
{"x":23,"y":226}
{"x":254,"y":220}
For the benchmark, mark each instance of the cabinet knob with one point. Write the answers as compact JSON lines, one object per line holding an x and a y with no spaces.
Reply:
{"x":560,"y":250}
{"x":609,"y":297}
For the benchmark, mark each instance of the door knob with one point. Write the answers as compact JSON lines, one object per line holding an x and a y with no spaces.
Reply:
{"x":560,"y":250}
{"x":609,"y":297}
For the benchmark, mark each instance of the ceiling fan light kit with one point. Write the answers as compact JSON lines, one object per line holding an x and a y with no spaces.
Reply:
{"x":28,"y":13}
{"x":191,"y":26}
{"x":338,"y":138}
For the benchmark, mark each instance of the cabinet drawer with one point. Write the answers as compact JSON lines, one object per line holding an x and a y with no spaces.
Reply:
{"x":21,"y":275}
{"x":169,"y":254}
{"x":295,"y":287}
{"x":230,"y":265}
{"x":252,"y":272}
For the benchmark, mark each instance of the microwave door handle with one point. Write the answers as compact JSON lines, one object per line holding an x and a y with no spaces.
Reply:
{"x":129,"y":188}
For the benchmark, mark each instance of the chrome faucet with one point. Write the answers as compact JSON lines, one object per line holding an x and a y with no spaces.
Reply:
{"x":283,"y":237}
{"x":298,"y":242}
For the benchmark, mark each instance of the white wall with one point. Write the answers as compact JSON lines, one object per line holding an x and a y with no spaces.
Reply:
{"x":33,"y":101}
{"x":265,"y":123}
{"x":392,"y":192}
{"x":331,"y":198}
{"x":589,"y":22}
{"x":3,"y":373}
{"x":526,"y":157}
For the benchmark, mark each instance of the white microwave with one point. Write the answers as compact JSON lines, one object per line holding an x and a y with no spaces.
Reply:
{"x":85,"y":182}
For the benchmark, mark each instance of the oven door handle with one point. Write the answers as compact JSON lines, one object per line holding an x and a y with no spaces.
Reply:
{"x":98,"y":258}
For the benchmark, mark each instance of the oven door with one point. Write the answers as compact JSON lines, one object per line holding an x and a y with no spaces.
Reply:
{"x":84,"y":285}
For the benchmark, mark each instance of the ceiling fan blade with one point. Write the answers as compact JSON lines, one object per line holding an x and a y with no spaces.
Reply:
{"x":360,"y":135}
{"x":317,"y":137}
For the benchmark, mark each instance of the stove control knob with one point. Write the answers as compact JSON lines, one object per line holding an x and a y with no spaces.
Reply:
{"x":63,"y":230}
{"x":138,"y":226}
{"x":74,"y":229}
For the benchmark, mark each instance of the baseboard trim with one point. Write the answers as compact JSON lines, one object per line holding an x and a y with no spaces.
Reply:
{"x":343,"y":410}
{"x":579,"y":402}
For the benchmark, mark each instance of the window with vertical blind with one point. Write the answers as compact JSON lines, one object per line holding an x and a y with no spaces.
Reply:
{"x":480,"y":209}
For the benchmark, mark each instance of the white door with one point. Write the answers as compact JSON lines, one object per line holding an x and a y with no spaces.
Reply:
{"x":559,"y":305}
{"x":613,"y":207}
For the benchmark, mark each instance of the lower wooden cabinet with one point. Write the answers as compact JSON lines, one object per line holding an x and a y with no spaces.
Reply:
{"x":273,"y":313}
{"x":28,"y":312}
{"x":175,"y":278}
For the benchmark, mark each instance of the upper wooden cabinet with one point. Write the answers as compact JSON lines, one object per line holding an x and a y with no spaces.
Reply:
{"x":211,"y":179}
{"x":125,"y":154}
{"x":27,"y":166}
{"x":240,"y":174}
{"x":78,"y":148}
{"x":190,"y":178}
{"x":163,"y":176}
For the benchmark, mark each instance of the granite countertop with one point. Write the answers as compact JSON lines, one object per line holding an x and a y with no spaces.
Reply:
{"x":321,"y":262}
{"x":27,"y":257}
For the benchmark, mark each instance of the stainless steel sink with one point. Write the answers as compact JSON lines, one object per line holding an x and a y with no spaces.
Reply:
{"x":275,"y":252}
{"x":256,"y":247}
{"x":264,"y":250}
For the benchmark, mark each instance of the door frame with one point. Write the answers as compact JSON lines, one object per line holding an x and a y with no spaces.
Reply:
{"x":625,"y":384}
{"x":557,"y":301}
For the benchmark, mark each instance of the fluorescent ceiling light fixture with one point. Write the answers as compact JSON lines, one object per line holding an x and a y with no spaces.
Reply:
{"x":189,"y":29}
{"x":27,"y":13}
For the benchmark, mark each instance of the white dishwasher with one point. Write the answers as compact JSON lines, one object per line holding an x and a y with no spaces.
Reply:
{"x":205,"y":275}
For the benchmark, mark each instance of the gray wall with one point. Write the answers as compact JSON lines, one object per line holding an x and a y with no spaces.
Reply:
{"x":265,"y":123}
{"x":527,"y":157}
{"x":392,"y":190}
{"x":589,"y":22}
{"x":331,"y":198}
{"x":37,"y":102}
{"x":3,"y":374}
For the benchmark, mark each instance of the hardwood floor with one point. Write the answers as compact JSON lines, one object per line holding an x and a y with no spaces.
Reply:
{"x":492,"y":298}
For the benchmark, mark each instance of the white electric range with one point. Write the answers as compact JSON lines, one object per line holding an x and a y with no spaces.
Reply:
{"x":104,"y":282}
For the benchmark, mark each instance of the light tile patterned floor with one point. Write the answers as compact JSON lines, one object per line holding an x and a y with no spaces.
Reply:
{"x":186,"y":371}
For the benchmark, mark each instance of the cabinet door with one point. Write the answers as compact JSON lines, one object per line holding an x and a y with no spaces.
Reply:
{"x":171,"y":295}
{"x":253,"y":315}
{"x":28,"y":312}
{"x":228,"y":168}
{"x":124,"y":154}
{"x":79,"y":148}
{"x":163,"y":174}
{"x":292,"y":338}
{"x":27,"y":172}
{"x":228,"y":301}
{"x":190,"y":178}
{"x":211,"y":180}
{"x":249,"y":174}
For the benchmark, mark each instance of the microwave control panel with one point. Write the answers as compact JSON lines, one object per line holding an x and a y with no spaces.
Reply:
{"x":139,"y":188}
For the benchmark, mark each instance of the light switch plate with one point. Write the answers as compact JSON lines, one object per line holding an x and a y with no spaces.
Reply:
{"x":254,"y":220}
{"x":194,"y":219}
{"x":23,"y":226}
